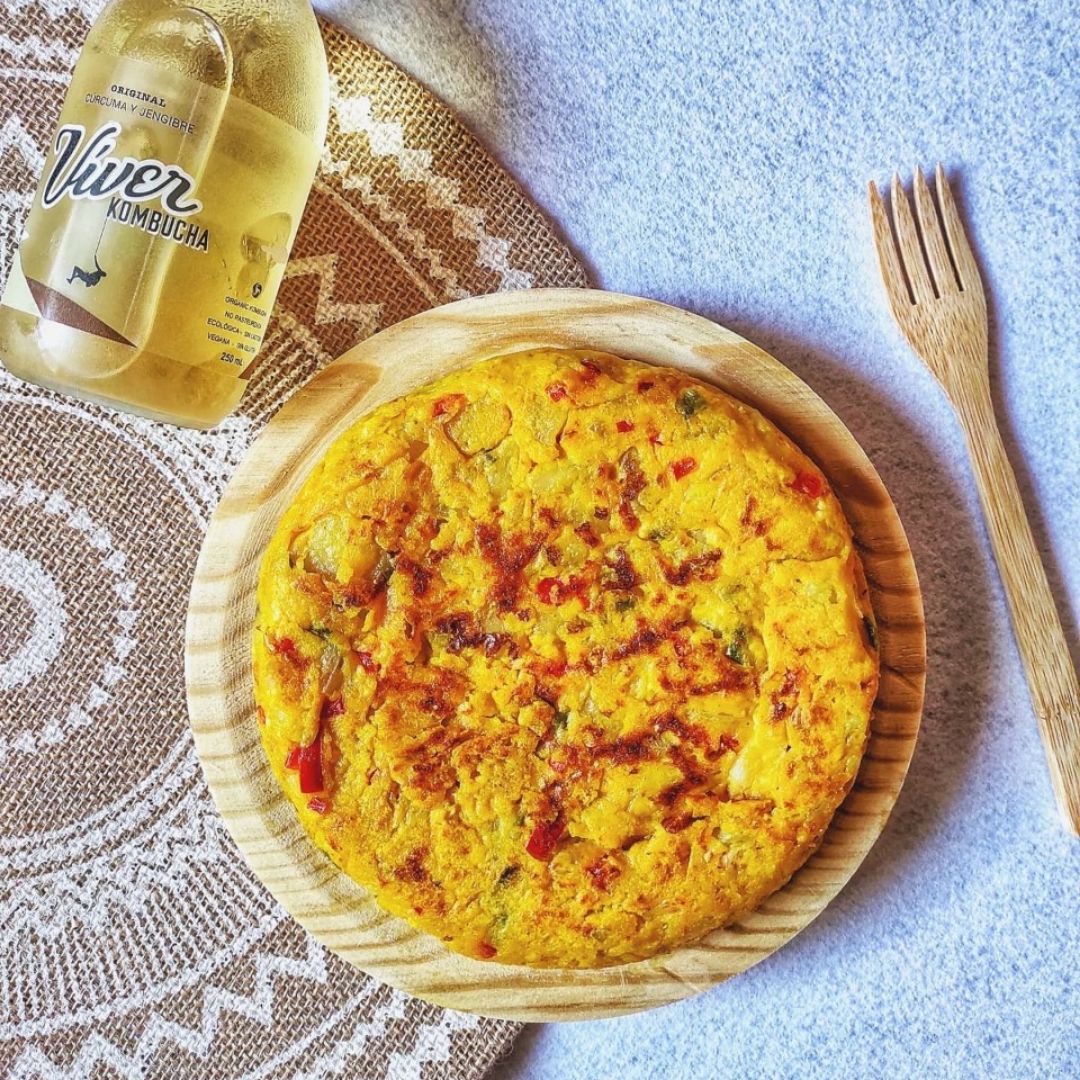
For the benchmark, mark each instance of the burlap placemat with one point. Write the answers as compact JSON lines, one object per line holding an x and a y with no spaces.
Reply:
{"x":133,"y":940}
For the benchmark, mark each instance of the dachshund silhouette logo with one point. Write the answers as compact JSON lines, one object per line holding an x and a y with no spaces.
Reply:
{"x":89,"y":278}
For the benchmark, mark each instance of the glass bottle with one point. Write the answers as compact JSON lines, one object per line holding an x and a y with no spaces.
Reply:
{"x":169,"y":201}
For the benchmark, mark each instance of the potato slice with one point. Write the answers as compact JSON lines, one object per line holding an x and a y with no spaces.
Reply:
{"x":481,"y":425}
{"x":338,"y":548}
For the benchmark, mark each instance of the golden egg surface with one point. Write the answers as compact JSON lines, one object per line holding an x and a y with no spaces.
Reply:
{"x":566,"y":658}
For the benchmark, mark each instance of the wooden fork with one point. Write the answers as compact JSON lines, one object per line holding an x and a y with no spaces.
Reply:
{"x":937,"y":298}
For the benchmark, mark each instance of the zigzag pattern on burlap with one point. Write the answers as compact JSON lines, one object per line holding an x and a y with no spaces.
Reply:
{"x":387,"y":139}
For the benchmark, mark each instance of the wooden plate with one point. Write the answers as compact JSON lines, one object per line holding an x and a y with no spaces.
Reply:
{"x":219,"y":684}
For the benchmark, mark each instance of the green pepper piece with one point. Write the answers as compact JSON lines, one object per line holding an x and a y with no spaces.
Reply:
{"x":736,"y":650}
{"x":690,"y":401}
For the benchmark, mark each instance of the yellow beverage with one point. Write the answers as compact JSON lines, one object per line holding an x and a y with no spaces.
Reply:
{"x":170,"y":198}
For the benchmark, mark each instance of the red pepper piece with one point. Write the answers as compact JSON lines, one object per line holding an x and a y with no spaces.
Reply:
{"x":624,"y":426}
{"x":365,"y":660}
{"x":292,"y":758}
{"x":553,"y":590}
{"x":683,"y":467}
{"x":318,"y":804}
{"x":809,"y":484}
{"x":310,"y":764}
{"x":284,"y":645}
{"x":452,"y":403}
{"x":485,"y":950}
{"x":331,"y":707}
{"x":556,"y":391}
{"x":656,"y":439}
{"x":550,"y":590}
{"x":545,"y":838}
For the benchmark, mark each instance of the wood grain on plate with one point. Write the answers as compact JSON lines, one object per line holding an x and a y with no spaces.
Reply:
{"x":220,"y":697}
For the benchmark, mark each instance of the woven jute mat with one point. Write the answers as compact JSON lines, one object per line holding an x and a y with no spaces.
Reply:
{"x":134,"y":942}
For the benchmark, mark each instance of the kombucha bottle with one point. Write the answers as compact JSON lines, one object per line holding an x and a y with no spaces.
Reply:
{"x":170,"y":198}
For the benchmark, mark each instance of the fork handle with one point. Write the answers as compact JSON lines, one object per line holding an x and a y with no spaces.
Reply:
{"x":1050,"y":673}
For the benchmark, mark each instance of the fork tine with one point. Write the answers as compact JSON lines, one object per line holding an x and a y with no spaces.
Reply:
{"x":908,"y":239}
{"x":936,"y":252}
{"x":892,"y":273}
{"x":966,"y":267}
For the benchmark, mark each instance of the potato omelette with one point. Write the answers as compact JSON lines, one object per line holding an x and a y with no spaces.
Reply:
{"x":566,"y":658}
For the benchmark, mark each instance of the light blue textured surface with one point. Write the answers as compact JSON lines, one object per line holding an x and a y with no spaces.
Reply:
{"x":715,"y":156}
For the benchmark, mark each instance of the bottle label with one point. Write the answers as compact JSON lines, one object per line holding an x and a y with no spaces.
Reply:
{"x":164,"y":217}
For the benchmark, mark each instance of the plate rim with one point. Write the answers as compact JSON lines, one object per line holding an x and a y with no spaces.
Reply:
{"x":308,"y":885}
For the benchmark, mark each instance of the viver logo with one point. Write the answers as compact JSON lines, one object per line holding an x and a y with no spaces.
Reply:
{"x":85,"y":168}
